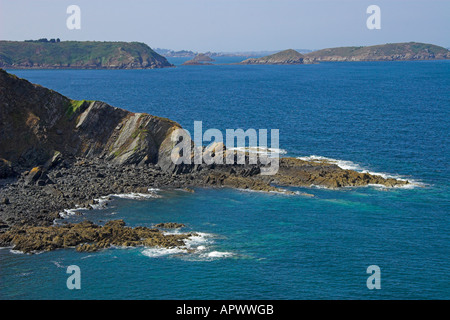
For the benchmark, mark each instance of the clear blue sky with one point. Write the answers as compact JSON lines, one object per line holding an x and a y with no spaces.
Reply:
{"x":230,"y":25}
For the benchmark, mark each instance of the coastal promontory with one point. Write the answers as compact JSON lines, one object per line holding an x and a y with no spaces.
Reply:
{"x":58,"y":154}
{"x":41,"y":54}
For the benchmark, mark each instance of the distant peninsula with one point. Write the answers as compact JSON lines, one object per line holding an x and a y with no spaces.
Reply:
{"x":79,"y":55}
{"x":385,"y":52}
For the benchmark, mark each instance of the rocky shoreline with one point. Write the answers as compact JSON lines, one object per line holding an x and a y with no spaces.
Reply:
{"x":36,"y":197}
{"x":88,"y":237}
{"x":58,"y":154}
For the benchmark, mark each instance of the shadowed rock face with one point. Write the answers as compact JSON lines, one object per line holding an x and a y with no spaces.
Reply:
{"x":37,"y":123}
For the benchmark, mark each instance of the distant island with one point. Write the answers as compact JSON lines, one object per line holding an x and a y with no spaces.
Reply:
{"x":289,"y":56}
{"x":250,"y":54}
{"x":199,"y":59}
{"x":56,"y":54}
{"x":384,"y":52}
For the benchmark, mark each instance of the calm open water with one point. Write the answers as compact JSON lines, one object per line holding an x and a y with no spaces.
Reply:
{"x":387,"y":117}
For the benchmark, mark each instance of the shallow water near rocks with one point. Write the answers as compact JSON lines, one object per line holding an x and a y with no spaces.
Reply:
{"x":386,"y":117}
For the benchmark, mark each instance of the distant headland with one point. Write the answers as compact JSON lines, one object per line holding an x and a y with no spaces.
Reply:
{"x":56,"y":54}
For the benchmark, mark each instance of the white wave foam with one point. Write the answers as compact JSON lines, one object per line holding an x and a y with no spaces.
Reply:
{"x":160,"y":252}
{"x":349,"y":165}
{"x":70,"y":212}
{"x":198,"y":240}
{"x":136,"y":196}
{"x":196,"y":247}
{"x":217,"y":254}
{"x":57,"y":264}
{"x":16,"y":251}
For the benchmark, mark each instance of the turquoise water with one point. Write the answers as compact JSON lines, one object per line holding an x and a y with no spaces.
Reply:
{"x":387,"y":117}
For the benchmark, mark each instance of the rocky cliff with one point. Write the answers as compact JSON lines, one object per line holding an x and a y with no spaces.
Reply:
{"x":38,"y":125}
{"x":385,"y":52}
{"x":79,"y":55}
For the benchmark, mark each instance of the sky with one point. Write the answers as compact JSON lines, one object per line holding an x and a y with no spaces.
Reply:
{"x":230,"y":25}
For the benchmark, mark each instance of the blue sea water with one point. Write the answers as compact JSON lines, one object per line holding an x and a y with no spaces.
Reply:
{"x":386,"y":117}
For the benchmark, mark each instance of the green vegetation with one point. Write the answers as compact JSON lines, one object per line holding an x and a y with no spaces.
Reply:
{"x":74,"y":105}
{"x":78,"y":54}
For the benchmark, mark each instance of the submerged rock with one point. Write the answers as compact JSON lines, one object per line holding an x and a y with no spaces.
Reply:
{"x":170,"y":225}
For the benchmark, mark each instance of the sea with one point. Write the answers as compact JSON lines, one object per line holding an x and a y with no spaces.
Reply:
{"x":390,"y":118}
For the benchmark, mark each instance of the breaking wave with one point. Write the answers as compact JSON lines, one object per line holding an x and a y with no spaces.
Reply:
{"x":196,"y":247}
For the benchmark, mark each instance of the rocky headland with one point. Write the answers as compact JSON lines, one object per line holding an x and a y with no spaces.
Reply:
{"x":79,"y":55}
{"x":57,"y":153}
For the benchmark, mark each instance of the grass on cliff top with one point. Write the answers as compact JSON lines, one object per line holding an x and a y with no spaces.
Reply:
{"x":74,"y":105}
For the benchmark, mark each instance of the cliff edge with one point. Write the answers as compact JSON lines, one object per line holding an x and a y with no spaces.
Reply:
{"x":38,"y":124}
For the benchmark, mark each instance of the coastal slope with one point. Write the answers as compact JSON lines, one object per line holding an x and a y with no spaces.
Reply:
{"x":38,"y":124}
{"x":79,"y":55}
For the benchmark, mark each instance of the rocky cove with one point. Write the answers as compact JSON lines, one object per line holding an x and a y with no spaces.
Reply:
{"x":57,"y":153}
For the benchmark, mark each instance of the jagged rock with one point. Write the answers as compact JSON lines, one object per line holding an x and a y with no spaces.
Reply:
{"x":169,"y":225}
